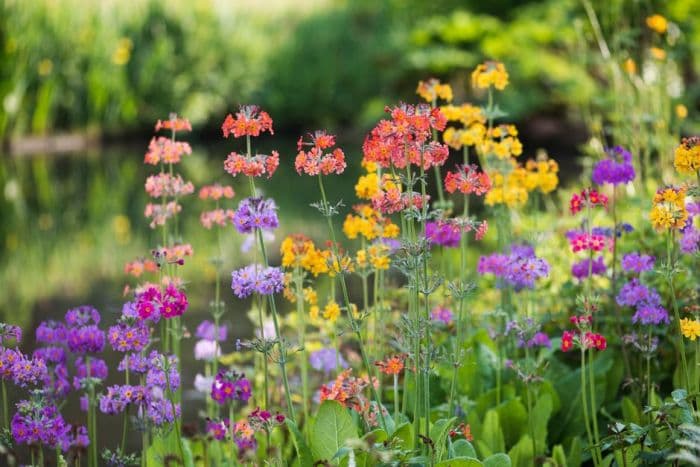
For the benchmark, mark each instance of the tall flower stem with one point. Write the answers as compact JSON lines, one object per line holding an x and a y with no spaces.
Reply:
{"x":304,"y":363}
{"x":273,"y":309}
{"x":594,"y":410}
{"x":266,"y":382}
{"x":348,"y":306}
{"x":126,"y":410}
{"x":669,"y":277}
{"x":171,"y":397}
{"x":584,"y":407}
{"x":5,"y":413}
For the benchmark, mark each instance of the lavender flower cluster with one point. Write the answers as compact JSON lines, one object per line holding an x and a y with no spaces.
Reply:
{"x":520,"y":268}
{"x":255,"y":213}
{"x":645,"y":300}
{"x":616,"y":169}
{"x":256,"y":278}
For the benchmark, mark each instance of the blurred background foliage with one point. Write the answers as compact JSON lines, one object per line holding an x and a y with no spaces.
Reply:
{"x":112,"y":68}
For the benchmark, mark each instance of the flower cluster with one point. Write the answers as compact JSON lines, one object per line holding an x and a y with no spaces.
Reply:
{"x":128,"y":335}
{"x":249,"y":121}
{"x":586,"y":268}
{"x":541,"y":174}
{"x":646,"y":302}
{"x":167,"y":185}
{"x":255,"y":213}
{"x":37,"y":423}
{"x":22,"y":369}
{"x":616,"y":169}
{"x":588,"y":198}
{"x":403,"y":139}
{"x":519,"y":269}
{"x":159,"y":214}
{"x":174,"y":124}
{"x":83,"y":336}
{"x":346,"y":389}
{"x":300,"y":251}
{"x":589,"y":340}
{"x":433,"y":89}
{"x":467,"y":179}
{"x":636,"y":262}
{"x":690,"y":328}
{"x":528,"y":333}
{"x":442,"y":314}
{"x":258,"y":279}
{"x":315,"y":161}
{"x":369,"y":223}
{"x":216,"y":192}
{"x":392,"y":365}
{"x":490,"y":74}
{"x":230,"y":386}
{"x":166,"y":151}
{"x":252,"y":166}
{"x":687,"y":156}
{"x":327,"y":360}
{"x":137,"y":267}
{"x":583,"y":241}
{"x":153,"y":304}
{"x":668,"y":209}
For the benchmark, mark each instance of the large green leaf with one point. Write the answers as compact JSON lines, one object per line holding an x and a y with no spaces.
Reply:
{"x":521,"y":454}
{"x":303,"y":452}
{"x":491,"y":433}
{"x":460,"y":462}
{"x":438,"y":433}
{"x":463,"y":448}
{"x":333,"y":427}
{"x":559,"y":456}
{"x":497,"y":460}
{"x":512,"y":417}
{"x":404,"y":432}
{"x":540,"y":414}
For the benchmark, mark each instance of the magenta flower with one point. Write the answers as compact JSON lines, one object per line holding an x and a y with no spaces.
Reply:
{"x":230,"y":386}
{"x":442,"y":314}
{"x":443,"y":233}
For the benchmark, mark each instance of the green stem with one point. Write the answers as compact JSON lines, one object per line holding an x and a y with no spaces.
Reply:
{"x":304,"y":364}
{"x":584,"y":406}
{"x":594,"y":408}
{"x":348,"y":306}
{"x":5,"y":412}
{"x":669,"y":275}
{"x":396,"y":398}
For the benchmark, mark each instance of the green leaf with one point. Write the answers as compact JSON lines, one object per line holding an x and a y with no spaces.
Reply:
{"x":575,"y":453}
{"x":497,"y":460}
{"x":463,"y":448}
{"x":333,"y":427}
{"x":559,"y":456}
{"x":404,"y":432}
{"x":521,"y":454}
{"x":303,"y":452}
{"x":541,"y":414}
{"x":438,"y":433}
{"x":491,"y":433}
{"x":630,"y":412}
{"x":376,"y":436}
{"x":460,"y":462}
{"x":512,"y":417}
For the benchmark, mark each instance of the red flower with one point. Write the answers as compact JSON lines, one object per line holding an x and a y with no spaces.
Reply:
{"x":315,"y":161}
{"x":468,"y":179}
{"x":567,"y":341}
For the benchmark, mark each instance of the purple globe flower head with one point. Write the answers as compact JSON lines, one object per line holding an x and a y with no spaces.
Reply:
{"x":118,"y":398}
{"x":217,"y":429}
{"x":159,"y":411}
{"x":82,"y":316}
{"x":98,"y":370}
{"x":522,"y":251}
{"x":50,"y":354}
{"x":325,"y":360}
{"x":634,"y":293}
{"x":636,"y":262}
{"x":443,"y":233}
{"x":57,"y":383}
{"x":522,"y":272}
{"x":9,"y":333}
{"x":36,"y":423}
{"x":495,"y":264}
{"x":442,"y":314}
{"x":51,"y":332}
{"x":135,"y":363}
{"x":256,"y":278}
{"x":689,"y":241}
{"x":207,"y":330}
{"x":162,"y":371}
{"x":22,"y":370}
{"x":255,"y":213}
{"x":229,"y":386}
{"x":616,"y":169}
{"x":86,"y":339}
{"x":650,"y":315}
{"x":540,"y":339}
{"x":129,"y":335}
{"x":580,"y":270}
{"x":130,"y":310}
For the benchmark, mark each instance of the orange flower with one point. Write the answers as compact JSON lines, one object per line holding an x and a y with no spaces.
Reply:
{"x":174,"y":123}
{"x":249,"y":121}
{"x":393,"y":365}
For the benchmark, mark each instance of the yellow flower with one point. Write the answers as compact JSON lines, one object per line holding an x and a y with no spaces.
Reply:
{"x":433,"y":89}
{"x":657,"y":23}
{"x":367,"y":186}
{"x":466,"y":114}
{"x":502,"y":141}
{"x":690,"y":328}
{"x":122,"y":53}
{"x":630,"y":66}
{"x":361,"y":258}
{"x":331,"y":311}
{"x":314,"y":311}
{"x":657,"y":53}
{"x":490,"y":74}
{"x":510,"y":187}
{"x":541,"y":174}
{"x":379,"y":256}
{"x":687,"y":156}
{"x":668,"y":210}
{"x":310,"y":296}
{"x":681,"y":111}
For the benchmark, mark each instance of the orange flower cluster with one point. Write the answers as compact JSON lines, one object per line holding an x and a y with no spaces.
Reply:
{"x":137,"y":267}
{"x":253,"y":166}
{"x":345,"y":389}
{"x":389,"y":199}
{"x":433,"y":89}
{"x":249,"y":121}
{"x":174,"y":124}
{"x":165,"y":150}
{"x":468,"y":179}
{"x":216,"y":192}
{"x":402,"y":140}
{"x":220,"y":217}
{"x":315,"y":161}
{"x":159,"y":214}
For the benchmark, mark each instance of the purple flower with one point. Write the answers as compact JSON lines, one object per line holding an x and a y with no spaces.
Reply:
{"x":82,"y":316}
{"x":10,"y":332}
{"x":325,"y":360}
{"x":442,"y":314}
{"x":23,"y":370}
{"x":616,"y":169}
{"x":634,"y":293}
{"x":126,"y":337}
{"x":162,"y":372}
{"x":159,"y":411}
{"x":51,"y":332}
{"x":51,"y":354}
{"x":86,"y":339}
{"x":230,"y":386}
{"x":119,"y":397}
{"x":635,"y":262}
{"x":650,"y":314}
{"x":256,"y":278}
{"x":207,"y":330}
{"x":495,"y":264}
{"x":520,"y":268}
{"x":255,"y":213}
{"x":443,"y":233}
{"x":540,"y":339}
{"x":135,"y":363}
{"x":98,"y":370}
{"x":36,"y":423}
{"x":580,"y":269}
{"x":690,"y":240}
